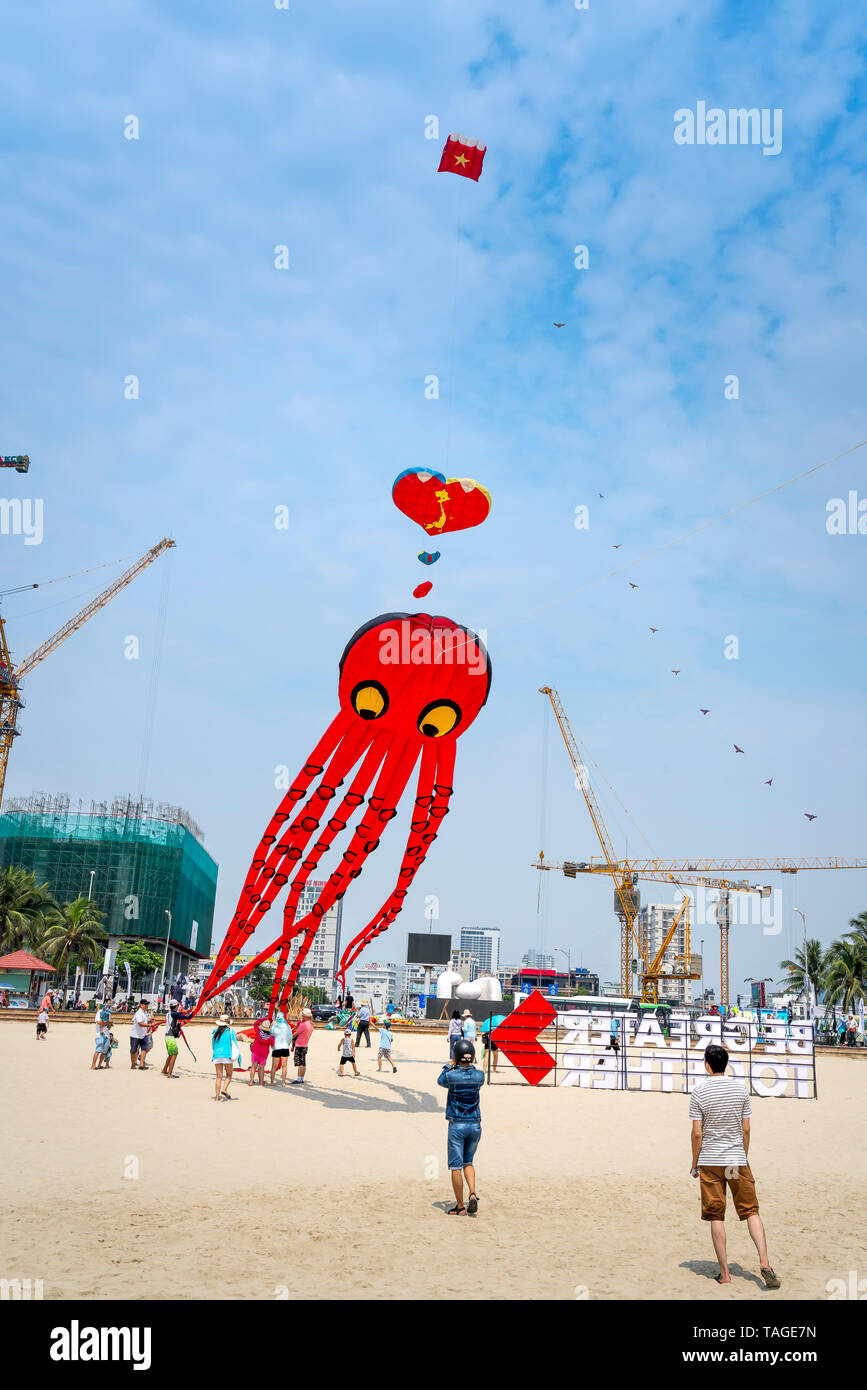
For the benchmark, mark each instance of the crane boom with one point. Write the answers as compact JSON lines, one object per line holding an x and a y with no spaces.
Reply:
{"x":671,"y":868}
{"x":10,"y":679}
{"x":697,"y":870}
{"x":94,"y":606}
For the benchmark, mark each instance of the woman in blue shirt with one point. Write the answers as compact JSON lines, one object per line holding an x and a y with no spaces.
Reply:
{"x":223,"y":1048}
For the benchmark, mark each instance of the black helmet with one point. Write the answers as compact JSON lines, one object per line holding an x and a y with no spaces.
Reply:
{"x":464,"y":1051}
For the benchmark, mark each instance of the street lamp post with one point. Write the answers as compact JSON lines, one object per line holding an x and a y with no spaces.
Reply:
{"x":90,"y":889}
{"x":701,"y":948}
{"x":806,"y":975}
{"x":166,"y":956}
{"x":567,"y":952}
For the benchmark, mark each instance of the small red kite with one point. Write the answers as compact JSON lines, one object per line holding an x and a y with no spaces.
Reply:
{"x":462,"y":156}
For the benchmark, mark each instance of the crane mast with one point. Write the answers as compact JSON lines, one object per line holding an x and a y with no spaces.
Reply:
{"x":625,"y":897}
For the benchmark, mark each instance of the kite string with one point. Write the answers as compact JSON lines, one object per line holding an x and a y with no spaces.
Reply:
{"x":685,"y":535}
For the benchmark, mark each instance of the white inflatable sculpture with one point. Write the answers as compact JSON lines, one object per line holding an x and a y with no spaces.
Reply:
{"x":446,"y":984}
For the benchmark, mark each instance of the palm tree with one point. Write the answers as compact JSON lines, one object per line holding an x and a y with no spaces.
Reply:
{"x":815,"y":963}
{"x":73,"y":934}
{"x":845,"y":975}
{"x":858,"y":934}
{"x":24,"y":905}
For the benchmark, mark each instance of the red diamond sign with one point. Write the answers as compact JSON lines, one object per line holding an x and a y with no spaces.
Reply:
{"x":517,"y":1036}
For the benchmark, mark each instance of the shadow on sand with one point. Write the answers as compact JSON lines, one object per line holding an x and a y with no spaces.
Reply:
{"x":709,"y":1269}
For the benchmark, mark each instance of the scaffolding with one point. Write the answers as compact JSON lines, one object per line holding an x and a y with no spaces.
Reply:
{"x":138,"y":861}
{"x":132,"y":811}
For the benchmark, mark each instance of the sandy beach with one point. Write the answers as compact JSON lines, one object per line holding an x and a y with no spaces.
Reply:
{"x":315,"y":1191}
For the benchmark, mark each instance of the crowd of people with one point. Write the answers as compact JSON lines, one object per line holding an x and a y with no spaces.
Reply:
{"x":719,"y":1107}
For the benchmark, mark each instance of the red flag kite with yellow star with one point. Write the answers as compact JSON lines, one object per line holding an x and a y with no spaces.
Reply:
{"x":462,"y":156}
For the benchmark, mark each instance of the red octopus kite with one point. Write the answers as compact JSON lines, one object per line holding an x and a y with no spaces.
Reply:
{"x":409,"y":686}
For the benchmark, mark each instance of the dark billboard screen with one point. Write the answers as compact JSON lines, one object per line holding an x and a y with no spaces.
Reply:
{"x":427,"y":948}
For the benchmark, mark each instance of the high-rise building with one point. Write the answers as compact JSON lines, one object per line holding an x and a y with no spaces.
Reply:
{"x":321,"y":962}
{"x":538,"y":959}
{"x":653,"y":924}
{"x":484,"y":943}
{"x":144,"y":865}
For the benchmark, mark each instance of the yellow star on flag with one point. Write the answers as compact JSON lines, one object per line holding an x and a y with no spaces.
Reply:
{"x":461,"y":159}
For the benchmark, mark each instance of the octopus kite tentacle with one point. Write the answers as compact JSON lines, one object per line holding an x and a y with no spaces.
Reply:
{"x":246,"y":920}
{"x":351,"y":801}
{"x":434,"y":797}
{"x":393,"y":776}
{"x":383,"y":803}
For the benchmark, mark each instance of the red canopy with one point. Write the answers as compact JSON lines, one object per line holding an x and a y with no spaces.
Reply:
{"x":22,"y":960}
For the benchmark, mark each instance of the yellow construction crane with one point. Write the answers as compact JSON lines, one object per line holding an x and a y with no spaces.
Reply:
{"x":626,"y":874}
{"x":10,"y":679}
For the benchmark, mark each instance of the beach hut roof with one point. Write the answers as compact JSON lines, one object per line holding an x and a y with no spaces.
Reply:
{"x":22,"y":960}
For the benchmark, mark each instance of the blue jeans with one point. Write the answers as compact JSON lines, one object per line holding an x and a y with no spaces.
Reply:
{"x":464,"y":1136}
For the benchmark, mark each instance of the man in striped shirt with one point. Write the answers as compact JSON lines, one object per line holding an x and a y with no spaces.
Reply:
{"x":720,"y":1112}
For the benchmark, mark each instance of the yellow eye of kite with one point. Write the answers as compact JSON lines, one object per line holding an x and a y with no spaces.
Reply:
{"x":438,"y":718}
{"x":369,"y":699}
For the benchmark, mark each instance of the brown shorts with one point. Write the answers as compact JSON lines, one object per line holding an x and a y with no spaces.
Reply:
{"x":713,"y":1192}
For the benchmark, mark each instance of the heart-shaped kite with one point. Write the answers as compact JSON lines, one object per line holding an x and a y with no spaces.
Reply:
{"x":428,"y":558}
{"x":440,"y":504}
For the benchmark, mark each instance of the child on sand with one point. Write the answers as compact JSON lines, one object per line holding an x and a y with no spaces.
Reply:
{"x":386,"y":1038}
{"x":346,"y":1048}
{"x":263,"y":1041}
{"x":41,"y":1025}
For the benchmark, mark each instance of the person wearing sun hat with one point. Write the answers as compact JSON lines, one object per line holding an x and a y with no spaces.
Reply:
{"x":260,"y":1047}
{"x":223,"y":1045}
{"x":282,"y":1047}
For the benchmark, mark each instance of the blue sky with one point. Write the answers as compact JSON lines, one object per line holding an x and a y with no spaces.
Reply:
{"x":305,"y":388}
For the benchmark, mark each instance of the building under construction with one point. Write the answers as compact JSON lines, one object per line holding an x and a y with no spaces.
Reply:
{"x":144,"y":865}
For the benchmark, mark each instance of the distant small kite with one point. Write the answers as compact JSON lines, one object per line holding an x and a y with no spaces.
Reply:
{"x":809,"y":817}
{"x":631,"y":585}
{"x":616,"y":547}
{"x":677,"y":672}
{"x":429,"y":557}
{"x":602,"y":495}
{"x":422,"y":589}
{"x":769,"y":781}
{"x":704,"y":711}
{"x":559,"y":325}
{"x":738,"y":750}
{"x":654,"y":629}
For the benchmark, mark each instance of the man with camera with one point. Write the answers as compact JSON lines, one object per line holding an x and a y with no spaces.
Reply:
{"x":463,"y":1080}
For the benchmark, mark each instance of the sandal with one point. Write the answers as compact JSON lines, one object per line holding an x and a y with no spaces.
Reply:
{"x":456,"y":1211}
{"x":474,"y":1204}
